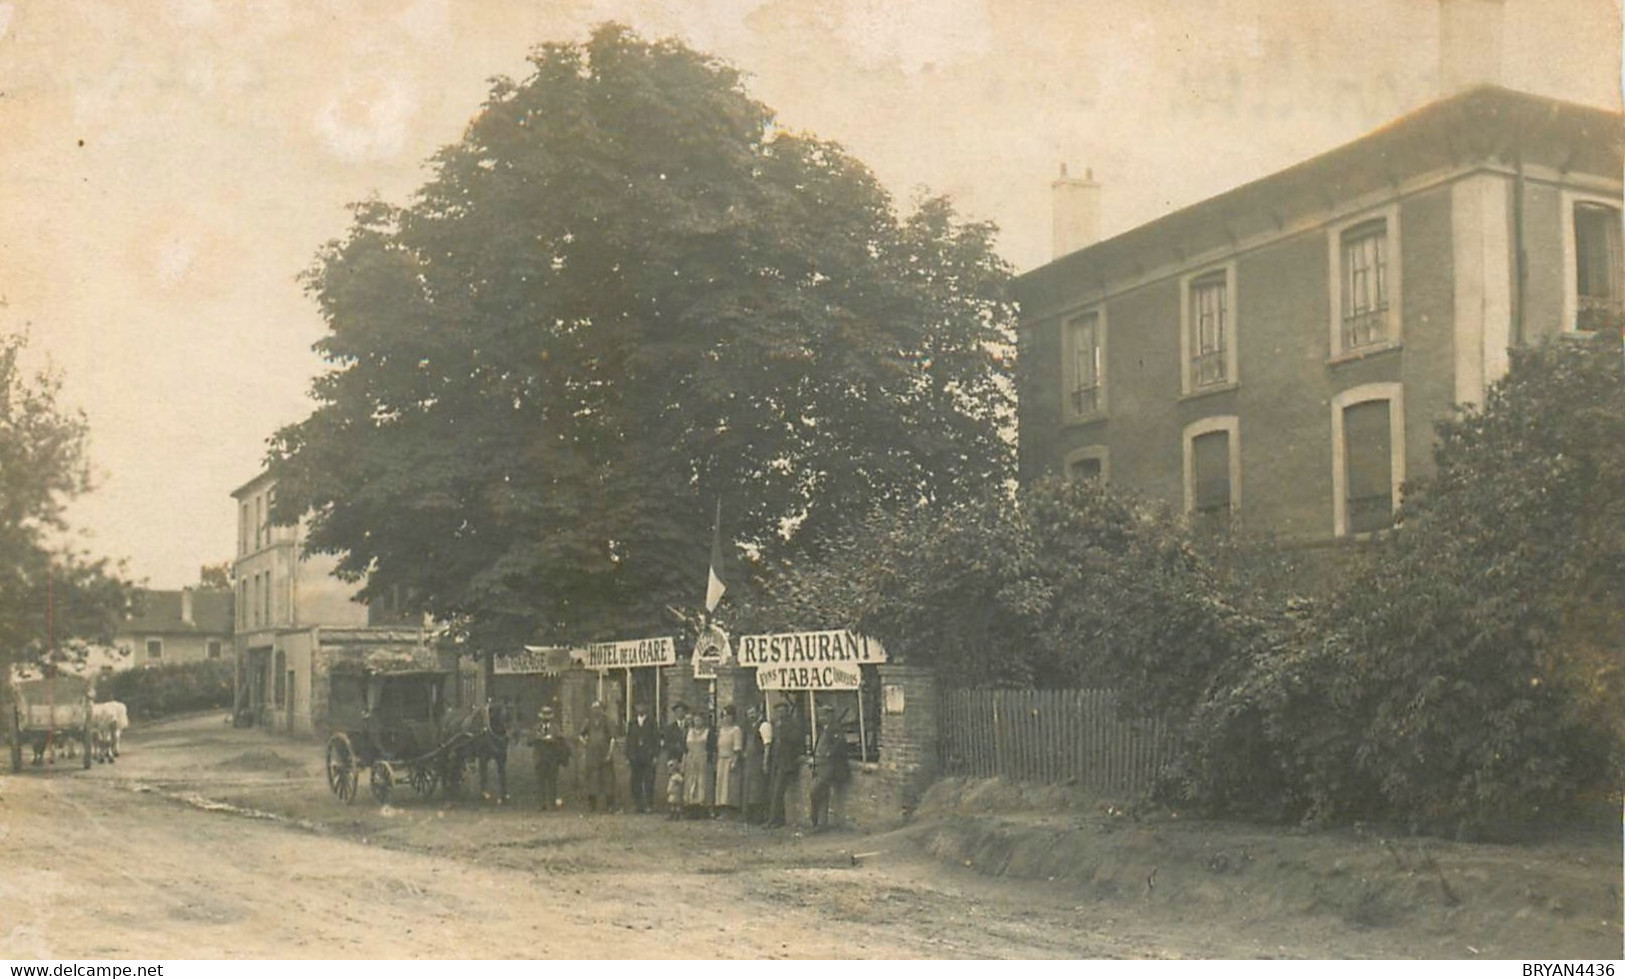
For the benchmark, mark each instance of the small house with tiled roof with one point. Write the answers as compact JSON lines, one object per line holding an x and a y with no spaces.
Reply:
{"x":176,"y":627}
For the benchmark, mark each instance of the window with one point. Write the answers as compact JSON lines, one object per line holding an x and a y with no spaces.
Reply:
{"x":1208,"y":330}
{"x":214,"y":649}
{"x":1212,"y":464}
{"x":256,"y":597}
{"x":1084,"y":353}
{"x":1087,"y":463}
{"x":1596,"y":265}
{"x":259,"y":521}
{"x":266,"y":592}
{"x":242,"y":603}
{"x":242,"y":530}
{"x":155,"y":649}
{"x":1368,"y":457}
{"x":1364,"y":286}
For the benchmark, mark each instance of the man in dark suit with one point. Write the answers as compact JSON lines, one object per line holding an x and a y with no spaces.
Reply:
{"x":643,"y":738}
{"x":784,"y":756}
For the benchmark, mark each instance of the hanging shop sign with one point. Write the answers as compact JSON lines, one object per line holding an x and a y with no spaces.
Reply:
{"x":711,"y":650}
{"x":659,"y":651}
{"x":544,"y":660}
{"x":821,"y":676}
{"x":824,"y":647}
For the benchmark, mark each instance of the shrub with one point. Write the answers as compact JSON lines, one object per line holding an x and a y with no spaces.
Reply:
{"x":173,"y":688}
{"x":1465,"y":677}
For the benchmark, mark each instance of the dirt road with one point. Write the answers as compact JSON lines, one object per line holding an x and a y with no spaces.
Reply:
{"x":144,"y":859}
{"x":206,"y":842}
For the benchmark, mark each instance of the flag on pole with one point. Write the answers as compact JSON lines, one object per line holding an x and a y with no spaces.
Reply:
{"x":713,"y":585}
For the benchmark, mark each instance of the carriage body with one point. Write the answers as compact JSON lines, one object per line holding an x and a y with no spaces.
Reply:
{"x":49,"y":711}
{"x":393,"y":726}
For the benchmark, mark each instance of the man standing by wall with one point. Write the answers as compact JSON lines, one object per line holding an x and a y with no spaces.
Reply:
{"x":643,"y":739}
{"x":830,"y":769}
{"x":783,"y":760}
{"x":597,"y":765}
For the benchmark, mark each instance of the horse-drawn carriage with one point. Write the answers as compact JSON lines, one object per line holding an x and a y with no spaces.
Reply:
{"x":398,"y":727}
{"x":48,"y":712}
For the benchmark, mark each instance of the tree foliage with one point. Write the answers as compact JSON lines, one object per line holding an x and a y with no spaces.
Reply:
{"x":624,"y":295}
{"x":1062,"y":585}
{"x":47,"y":589}
{"x":1468,"y":677}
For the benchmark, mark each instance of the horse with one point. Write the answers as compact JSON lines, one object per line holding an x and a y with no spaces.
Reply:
{"x":481,"y":734}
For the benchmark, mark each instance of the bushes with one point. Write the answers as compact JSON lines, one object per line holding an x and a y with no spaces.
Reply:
{"x":173,"y":688}
{"x":1065,"y":585}
{"x":1464,"y":678}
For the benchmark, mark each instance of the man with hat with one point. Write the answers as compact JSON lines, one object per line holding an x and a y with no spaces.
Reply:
{"x":830,"y":769}
{"x":597,"y":762}
{"x":643,"y":737}
{"x":783,"y":760}
{"x":549,"y":752}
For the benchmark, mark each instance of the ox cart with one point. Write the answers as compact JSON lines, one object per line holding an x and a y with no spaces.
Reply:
{"x":393,"y":726}
{"x":47,"y":712}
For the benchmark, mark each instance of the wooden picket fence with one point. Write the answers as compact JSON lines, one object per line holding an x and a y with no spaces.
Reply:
{"x":1056,"y":737}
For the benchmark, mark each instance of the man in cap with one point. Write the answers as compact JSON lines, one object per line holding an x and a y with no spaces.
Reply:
{"x":549,"y":753}
{"x":830,"y":770}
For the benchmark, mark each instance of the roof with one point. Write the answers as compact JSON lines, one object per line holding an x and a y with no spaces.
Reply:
{"x":159,"y":613}
{"x":1481,"y":124}
{"x":264,"y":476}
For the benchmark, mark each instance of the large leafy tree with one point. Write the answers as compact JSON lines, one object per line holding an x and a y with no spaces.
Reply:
{"x":48,"y":590}
{"x":623,"y":296}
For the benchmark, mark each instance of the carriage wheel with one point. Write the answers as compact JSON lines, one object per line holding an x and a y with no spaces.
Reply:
{"x":383,"y":782}
{"x":424,"y":779}
{"x":342,"y":770}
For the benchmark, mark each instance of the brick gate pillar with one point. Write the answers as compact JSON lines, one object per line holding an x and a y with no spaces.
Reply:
{"x":736,"y":685}
{"x":677,"y":683}
{"x":910,"y":708}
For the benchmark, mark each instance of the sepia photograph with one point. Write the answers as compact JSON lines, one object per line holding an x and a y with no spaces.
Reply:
{"x":863,"y":480}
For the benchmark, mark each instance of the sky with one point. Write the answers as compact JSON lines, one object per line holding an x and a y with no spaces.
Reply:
{"x":169,"y":167}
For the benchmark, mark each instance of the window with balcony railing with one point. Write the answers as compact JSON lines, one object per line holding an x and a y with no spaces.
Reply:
{"x":1599,"y":299}
{"x":1084,"y":379}
{"x":1209,"y":326}
{"x":1365,"y":284}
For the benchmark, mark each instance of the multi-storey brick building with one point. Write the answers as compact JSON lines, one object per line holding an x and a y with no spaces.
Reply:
{"x":1278,"y":355}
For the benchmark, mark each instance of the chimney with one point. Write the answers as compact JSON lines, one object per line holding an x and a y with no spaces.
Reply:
{"x":186,"y":606}
{"x":1469,"y":44}
{"x":1077,"y":212}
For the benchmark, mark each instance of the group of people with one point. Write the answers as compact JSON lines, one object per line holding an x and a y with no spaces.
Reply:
{"x":737,"y":768}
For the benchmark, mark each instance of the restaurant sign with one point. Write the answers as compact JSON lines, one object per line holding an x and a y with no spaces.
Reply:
{"x":659,"y":651}
{"x":825,"y":647}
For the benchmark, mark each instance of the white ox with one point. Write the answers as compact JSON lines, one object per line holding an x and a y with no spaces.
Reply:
{"x":107,"y":721}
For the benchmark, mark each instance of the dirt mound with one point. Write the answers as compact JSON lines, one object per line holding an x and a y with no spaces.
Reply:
{"x":262,"y":760}
{"x":1406,"y":897}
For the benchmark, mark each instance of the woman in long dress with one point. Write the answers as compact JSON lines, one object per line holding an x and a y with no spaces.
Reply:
{"x":698,"y":776}
{"x":730,"y":751}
